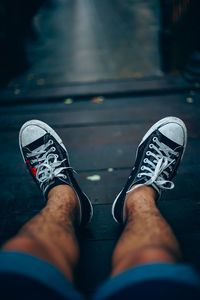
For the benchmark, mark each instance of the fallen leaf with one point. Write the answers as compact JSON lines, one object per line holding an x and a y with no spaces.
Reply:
{"x":68,"y":101}
{"x":97,"y":100}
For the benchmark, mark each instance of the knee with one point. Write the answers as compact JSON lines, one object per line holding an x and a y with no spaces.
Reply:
{"x":18,"y":244}
{"x":154,"y":254}
{"x":141,"y":256}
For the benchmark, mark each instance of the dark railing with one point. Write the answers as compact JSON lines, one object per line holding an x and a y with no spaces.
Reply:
{"x":180,"y":33}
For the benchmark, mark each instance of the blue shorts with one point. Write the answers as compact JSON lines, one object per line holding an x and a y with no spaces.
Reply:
{"x":23,"y":276}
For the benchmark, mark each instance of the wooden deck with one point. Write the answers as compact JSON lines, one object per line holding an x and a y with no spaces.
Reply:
{"x":102,"y":140}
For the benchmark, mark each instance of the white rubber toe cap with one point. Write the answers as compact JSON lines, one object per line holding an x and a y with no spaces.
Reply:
{"x":174,"y":132}
{"x":31,"y":133}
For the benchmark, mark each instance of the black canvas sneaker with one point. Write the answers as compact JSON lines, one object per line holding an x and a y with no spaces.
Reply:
{"x":48,"y":162}
{"x":157,"y":159}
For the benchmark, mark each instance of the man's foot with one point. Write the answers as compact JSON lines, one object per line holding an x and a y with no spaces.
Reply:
{"x":48,"y":162}
{"x":157,"y":159}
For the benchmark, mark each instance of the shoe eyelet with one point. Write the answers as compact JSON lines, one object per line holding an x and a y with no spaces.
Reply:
{"x":155,"y":139}
{"x":148,"y":153}
{"x":145,"y":160}
{"x":151,"y":146}
{"x":53,"y":149}
{"x":51,"y":142}
{"x":142,"y":168}
{"x":139,"y":175}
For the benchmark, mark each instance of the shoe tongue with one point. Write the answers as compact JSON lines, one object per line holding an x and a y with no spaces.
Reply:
{"x":165,"y":140}
{"x":38,"y":143}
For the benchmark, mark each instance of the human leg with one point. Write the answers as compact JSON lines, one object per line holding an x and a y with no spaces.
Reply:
{"x":147,"y":237}
{"x":50,"y":235}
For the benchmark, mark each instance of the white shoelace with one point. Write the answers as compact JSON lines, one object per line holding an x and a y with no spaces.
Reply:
{"x":158,"y":167}
{"x":47,"y":163}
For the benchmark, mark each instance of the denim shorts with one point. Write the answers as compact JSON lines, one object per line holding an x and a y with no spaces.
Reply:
{"x":23,"y":276}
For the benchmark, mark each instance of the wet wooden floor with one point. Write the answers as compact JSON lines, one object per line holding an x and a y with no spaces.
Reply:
{"x":102,"y":139}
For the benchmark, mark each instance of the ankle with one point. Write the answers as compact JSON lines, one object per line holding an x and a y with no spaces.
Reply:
{"x":145,"y":190}
{"x":63,"y":191}
{"x":63,"y":195}
{"x":142,"y":198}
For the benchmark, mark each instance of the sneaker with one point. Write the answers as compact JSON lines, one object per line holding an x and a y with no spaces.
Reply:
{"x":157,"y":159}
{"x":48,"y":162}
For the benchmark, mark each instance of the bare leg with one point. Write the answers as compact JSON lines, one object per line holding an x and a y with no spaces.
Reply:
{"x":146,"y":237}
{"x":50,"y":234}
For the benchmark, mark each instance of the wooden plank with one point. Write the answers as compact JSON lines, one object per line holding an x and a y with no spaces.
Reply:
{"x":108,"y":103}
{"x":130,"y":112}
{"x":159,"y":85}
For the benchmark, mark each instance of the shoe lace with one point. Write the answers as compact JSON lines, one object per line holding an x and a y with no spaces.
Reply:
{"x":47,"y":164}
{"x":160,"y":165}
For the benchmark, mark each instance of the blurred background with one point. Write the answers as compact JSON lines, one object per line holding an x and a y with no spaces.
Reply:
{"x":100,"y":72}
{"x":56,"y":42}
